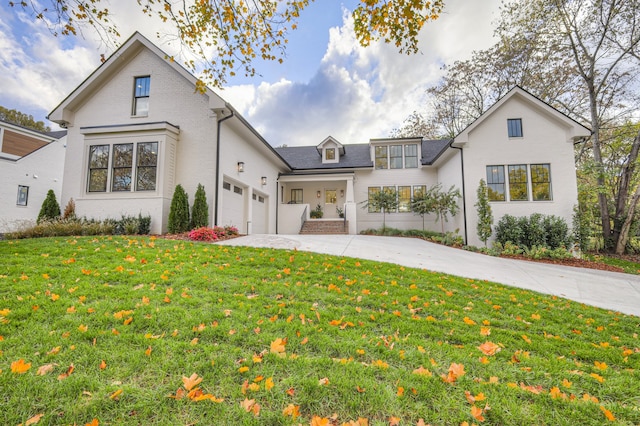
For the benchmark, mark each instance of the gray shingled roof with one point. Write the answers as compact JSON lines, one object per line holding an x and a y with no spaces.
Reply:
{"x":356,"y":156}
{"x":308,"y":157}
{"x":432,"y":149}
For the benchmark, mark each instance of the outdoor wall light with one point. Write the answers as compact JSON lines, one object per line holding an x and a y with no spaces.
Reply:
{"x":341,"y":193}
{"x":318,"y":194}
{"x":263,"y":180}
{"x":240,"y":166}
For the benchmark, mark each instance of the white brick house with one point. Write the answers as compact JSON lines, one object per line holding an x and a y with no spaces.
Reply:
{"x":31,"y":163}
{"x":137,"y":127}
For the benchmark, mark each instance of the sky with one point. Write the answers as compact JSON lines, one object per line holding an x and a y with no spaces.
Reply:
{"x":328,"y":85}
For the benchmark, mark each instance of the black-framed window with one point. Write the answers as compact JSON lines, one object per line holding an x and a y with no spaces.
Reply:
{"x":146,"y":166}
{"x":237,"y":190}
{"x":296,"y":196}
{"x":410,"y":156}
{"x":122,"y":163}
{"x":518,"y":183}
{"x":98,"y":168}
{"x":514,"y":127}
{"x":395,"y":156}
{"x":372,"y":191}
{"x":141,"y":95}
{"x":404,"y":199}
{"x":496,"y":183}
{"x":382,"y":159}
{"x":541,"y":182}
{"x":23,"y":195}
{"x":226,"y":185}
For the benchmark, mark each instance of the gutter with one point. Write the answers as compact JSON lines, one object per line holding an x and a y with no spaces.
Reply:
{"x":215,"y":209}
{"x":464,"y":197}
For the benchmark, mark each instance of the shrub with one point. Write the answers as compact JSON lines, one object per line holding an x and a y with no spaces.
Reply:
{"x":231,"y":230}
{"x":144,"y":224}
{"x":534,"y":230}
{"x":50,"y":208}
{"x":200,"y":209}
{"x":179,"y":211}
{"x":485,"y":216}
{"x":203,"y":234}
{"x":70,"y":210}
{"x":316,"y":213}
{"x":509,"y":228}
{"x":557,"y":232}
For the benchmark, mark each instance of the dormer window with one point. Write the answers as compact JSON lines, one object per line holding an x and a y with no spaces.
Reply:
{"x":141,"y":96}
{"x":330,"y":153}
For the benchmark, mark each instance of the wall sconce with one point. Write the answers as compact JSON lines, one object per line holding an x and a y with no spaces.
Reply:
{"x":341,"y":193}
{"x":318,"y":194}
{"x":263,"y":180}
{"x":240,"y":166}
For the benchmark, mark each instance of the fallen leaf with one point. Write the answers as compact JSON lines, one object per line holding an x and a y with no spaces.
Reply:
{"x":44,"y":369}
{"x":608,"y":414}
{"x":115,"y":395}
{"x":33,"y":420}
{"x":20,"y":367}
{"x":489,"y":348}
{"x":191,"y":381}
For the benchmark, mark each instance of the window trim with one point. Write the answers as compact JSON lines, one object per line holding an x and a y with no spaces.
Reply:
{"x":105,"y":168}
{"x":518,"y":183}
{"x":144,"y":166}
{"x":372,"y":190}
{"x":406,"y":147}
{"x":406,"y":208}
{"x":330,"y":154}
{"x":294,"y":199}
{"x":514,"y":128}
{"x":378,"y":163}
{"x":547,"y":182}
{"x":115,"y":168}
{"x":23,"y":192}
{"x":399,"y":149}
{"x":109,"y":168}
{"x":145,"y":95}
{"x":490,"y":182}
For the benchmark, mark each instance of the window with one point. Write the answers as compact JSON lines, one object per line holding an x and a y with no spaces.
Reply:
{"x":518,"y":187}
{"x":226,"y":185}
{"x":23,"y":195}
{"x":404,"y":199}
{"x":390,"y":190}
{"x":254,"y":196}
{"x":514,"y":126}
{"x":260,"y":199}
{"x":419,"y":190}
{"x":381,"y":157}
{"x":98,"y":168}
{"x":330,"y":196}
{"x":296,"y":196}
{"x":330,"y":153}
{"x":147,"y":165}
{"x":118,"y":169}
{"x":495,"y":183}
{"x":122,"y":163}
{"x":141,"y":96}
{"x":395,"y":156}
{"x":541,"y":182}
{"x":237,"y":189}
{"x":373,"y":190}
{"x":410,"y":156}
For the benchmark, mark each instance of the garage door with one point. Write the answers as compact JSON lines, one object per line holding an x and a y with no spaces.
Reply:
{"x":233,"y":206}
{"x":260,"y":217}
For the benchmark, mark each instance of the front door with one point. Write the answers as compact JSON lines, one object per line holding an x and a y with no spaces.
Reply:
{"x":330,"y":200}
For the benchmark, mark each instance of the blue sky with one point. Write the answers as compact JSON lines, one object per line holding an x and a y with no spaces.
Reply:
{"x":328,"y":84}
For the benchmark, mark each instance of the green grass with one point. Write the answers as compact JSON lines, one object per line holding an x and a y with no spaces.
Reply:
{"x":138,"y":304}
{"x":628,"y":266}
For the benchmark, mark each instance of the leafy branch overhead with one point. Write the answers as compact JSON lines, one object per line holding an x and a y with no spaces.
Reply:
{"x":222,"y":36}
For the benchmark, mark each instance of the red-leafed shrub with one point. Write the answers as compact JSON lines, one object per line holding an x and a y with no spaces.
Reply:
{"x":203,"y":234}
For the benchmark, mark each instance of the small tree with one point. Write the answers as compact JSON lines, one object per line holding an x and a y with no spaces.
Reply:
{"x":50,"y":209}
{"x":179,"y":211}
{"x":485,"y":216}
{"x":70,"y":210}
{"x":435,"y":200}
{"x":384,"y":201}
{"x":421,"y":205}
{"x":200,"y":209}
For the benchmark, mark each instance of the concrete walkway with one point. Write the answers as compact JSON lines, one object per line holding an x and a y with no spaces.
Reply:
{"x":609,"y":290}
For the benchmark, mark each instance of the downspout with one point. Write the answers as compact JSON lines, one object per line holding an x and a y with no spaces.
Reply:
{"x":464,"y":197}
{"x":215,"y":210}
{"x":277,"y":199}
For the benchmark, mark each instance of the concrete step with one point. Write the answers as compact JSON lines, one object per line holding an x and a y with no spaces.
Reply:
{"x":325,"y":227}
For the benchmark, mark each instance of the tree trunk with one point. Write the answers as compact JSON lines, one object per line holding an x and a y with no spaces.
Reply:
{"x":628,"y":220}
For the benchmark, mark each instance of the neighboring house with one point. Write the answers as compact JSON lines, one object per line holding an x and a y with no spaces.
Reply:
{"x":521,"y":146}
{"x":137,"y":127}
{"x":31,"y":164}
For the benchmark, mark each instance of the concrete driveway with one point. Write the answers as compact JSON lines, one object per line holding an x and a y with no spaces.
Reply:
{"x":609,"y":290}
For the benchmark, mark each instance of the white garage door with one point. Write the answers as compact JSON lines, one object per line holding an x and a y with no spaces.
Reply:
{"x":233,"y":206}
{"x":259,"y":212}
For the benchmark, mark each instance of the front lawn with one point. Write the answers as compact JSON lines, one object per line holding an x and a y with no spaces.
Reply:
{"x":116,"y":330}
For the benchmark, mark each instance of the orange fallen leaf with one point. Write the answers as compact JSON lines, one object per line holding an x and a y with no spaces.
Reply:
{"x":278,"y":346}
{"x":421,"y":371}
{"x":323,"y":382}
{"x":44,"y":369}
{"x":319,"y":421}
{"x":115,"y":395}
{"x":103,"y":365}
{"x":148,"y":351}
{"x":93,"y":422}
{"x":608,"y":414}
{"x":191,"y":381}
{"x":489,"y":348}
{"x":477,"y":412}
{"x":268,"y":384}
{"x":66,"y":373}
{"x":179,"y":394}
{"x":20,"y":367}
{"x":33,"y":420}
{"x":291,"y":410}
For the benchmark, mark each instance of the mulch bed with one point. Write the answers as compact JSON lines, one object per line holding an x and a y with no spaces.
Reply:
{"x":578,"y":263}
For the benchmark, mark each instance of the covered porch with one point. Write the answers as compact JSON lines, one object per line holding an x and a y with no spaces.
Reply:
{"x":303,"y":197}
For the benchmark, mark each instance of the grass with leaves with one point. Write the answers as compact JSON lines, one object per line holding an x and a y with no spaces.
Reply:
{"x":116,"y":330}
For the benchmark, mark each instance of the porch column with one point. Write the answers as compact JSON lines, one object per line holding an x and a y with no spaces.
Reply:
{"x":349,"y":193}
